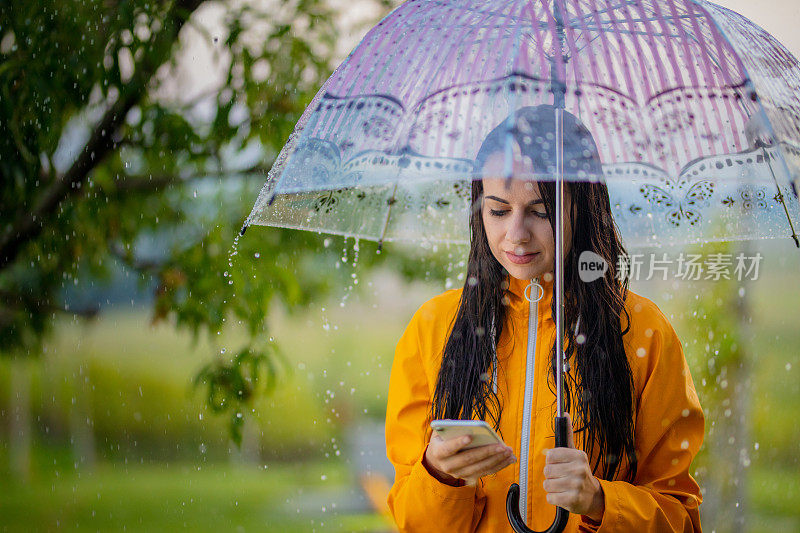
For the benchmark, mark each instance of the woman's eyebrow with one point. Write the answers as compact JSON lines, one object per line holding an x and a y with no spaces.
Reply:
{"x":532,"y":202}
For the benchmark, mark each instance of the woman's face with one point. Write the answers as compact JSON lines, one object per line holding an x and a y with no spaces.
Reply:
{"x":516,"y":223}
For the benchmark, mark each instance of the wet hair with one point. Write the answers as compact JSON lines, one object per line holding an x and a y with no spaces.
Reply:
{"x":599,"y":390}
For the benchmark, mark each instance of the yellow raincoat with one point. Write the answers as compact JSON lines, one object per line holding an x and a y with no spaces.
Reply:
{"x":668,"y":427}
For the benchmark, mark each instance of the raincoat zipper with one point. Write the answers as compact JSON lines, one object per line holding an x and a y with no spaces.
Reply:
{"x":527,"y":407}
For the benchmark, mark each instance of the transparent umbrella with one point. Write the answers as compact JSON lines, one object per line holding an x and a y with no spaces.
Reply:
{"x":694,"y":108}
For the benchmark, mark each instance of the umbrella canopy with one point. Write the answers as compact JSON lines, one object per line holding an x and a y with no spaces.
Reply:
{"x":694,"y":109}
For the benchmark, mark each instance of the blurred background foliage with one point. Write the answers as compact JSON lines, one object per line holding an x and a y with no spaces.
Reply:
{"x":131,"y":316}
{"x":107,"y":164}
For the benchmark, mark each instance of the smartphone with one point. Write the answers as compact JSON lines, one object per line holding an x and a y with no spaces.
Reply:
{"x":481,"y":432}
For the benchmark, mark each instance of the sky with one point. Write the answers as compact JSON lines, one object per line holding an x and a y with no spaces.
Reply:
{"x":781,"y":18}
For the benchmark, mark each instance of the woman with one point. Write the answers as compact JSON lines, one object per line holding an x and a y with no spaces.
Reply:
{"x":486,"y":352}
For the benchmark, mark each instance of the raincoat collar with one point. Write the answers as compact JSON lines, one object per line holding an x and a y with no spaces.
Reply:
{"x":518,"y":305}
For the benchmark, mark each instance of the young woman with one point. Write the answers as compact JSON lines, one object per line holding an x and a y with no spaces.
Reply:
{"x":486,"y":352}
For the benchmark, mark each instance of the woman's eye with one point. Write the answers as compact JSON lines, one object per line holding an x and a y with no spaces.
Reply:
{"x":502,"y":212}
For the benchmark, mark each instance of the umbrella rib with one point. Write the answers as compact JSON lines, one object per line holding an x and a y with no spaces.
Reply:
{"x":588,"y":42}
{"x":610,"y":8}
{"x":631,"y":32}
{"x":498,"y":14}
{"x":572,"y":24}
{"x":779,"y":197}
{"x":386,"y":220}
{"x":615,"y":20}
{"x":628,"y":32}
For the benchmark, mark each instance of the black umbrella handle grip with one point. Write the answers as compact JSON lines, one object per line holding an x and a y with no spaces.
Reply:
{"x":512,"y":499}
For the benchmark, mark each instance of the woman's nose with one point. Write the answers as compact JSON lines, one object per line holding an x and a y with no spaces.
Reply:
{"x":517,"y":232}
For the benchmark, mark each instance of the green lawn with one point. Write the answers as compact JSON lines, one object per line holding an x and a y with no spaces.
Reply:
{"x":161,"y":497}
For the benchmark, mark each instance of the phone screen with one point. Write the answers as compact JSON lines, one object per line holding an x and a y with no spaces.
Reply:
{"x":481,"y":432}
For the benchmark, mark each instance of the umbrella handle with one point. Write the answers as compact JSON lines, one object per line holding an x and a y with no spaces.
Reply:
{"x":512,"y":499}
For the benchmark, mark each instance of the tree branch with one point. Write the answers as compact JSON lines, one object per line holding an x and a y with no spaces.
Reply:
{"x":100,"y":144}
{"x":23,"y":302}
{"x":155,"y":182}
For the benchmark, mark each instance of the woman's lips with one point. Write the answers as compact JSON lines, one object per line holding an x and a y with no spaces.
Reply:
{"x":520,"y":259}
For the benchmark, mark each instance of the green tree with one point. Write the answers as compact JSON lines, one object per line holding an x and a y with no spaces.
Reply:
{"x":95,"y":160}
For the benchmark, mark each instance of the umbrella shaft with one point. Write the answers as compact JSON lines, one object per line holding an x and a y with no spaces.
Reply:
{"x":559,"y":260}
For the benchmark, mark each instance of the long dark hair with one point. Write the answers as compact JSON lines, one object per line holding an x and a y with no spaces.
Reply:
{"x":599,"y":391}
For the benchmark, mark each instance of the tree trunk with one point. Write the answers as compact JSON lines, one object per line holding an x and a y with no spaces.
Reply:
{"x":81,"y":424}
{"x":20,"y":419}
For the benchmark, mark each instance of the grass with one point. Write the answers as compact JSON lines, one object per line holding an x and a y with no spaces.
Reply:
{"x":165,"y":497}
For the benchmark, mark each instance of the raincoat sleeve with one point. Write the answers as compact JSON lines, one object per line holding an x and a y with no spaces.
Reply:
{"x":668,"y":430}
{"x":417,"y":500}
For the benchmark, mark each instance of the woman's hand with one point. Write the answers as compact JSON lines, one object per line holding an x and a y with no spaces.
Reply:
{"x":448,"y":462}
{"x":569,"y":482}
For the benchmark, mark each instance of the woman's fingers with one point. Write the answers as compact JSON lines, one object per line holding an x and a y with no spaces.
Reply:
{"x":474,"y":455}
{"x":571,"y":468}
{"x":448,"y":448}
{"x":561,"y":484}
{"x":490,"y":465}
{"x":471,"y":462}
{"x":450,"y":458}
{"x":570,"y":483}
